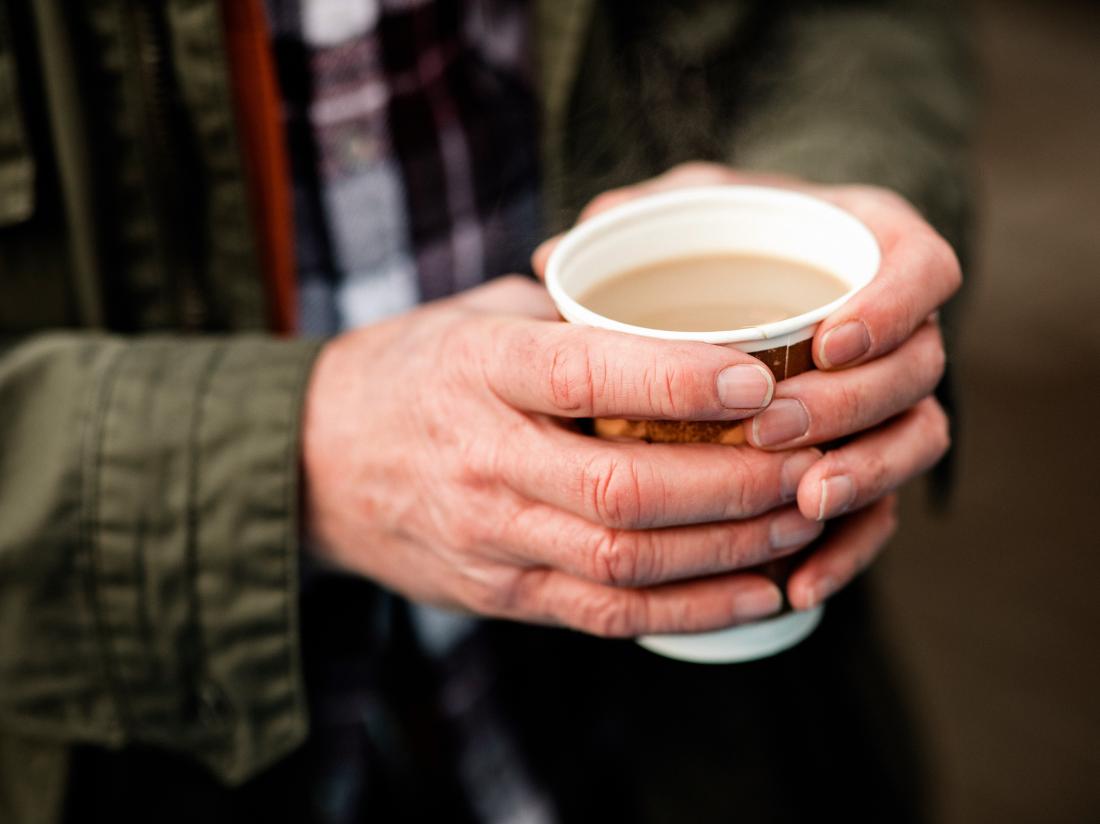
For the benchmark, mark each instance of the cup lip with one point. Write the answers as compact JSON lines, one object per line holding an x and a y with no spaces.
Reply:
{"x":575,"y":312}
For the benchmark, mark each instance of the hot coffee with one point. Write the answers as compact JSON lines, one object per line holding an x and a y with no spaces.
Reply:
{"x":712,"y":293}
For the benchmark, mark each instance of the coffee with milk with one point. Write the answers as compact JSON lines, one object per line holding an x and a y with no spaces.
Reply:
{"x":712,"y":293}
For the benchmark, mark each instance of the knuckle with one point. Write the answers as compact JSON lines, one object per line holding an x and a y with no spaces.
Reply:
{"x":613,"y":488}
{"x":481,"y":349}
{"x":877,"y":473}
{"x":616,"y":559}
{"x":681,"y":614}
{"x":690,"y":167}
{"x":461,"y":340}
{"x":936,"y":357}
{"x":595,"y":205}
{"x":574,"y":376}
{"x":466,"y":536}
{"x":494,"y":592}
{"x":938,"y":426}
{"x":517,"y":286}
{"x":614,"y":615}
{"x":675,"y":387}
{"x":890,"y":199}
{"x":514,"y":283}
{"x":926,"y":359}
{"x":749,"y":486}
{"x":480,"y":463}
{"x":472,"y":342}
{"x":696,"y":170}
{"x":947,"y":262}
{"x":604,"y":201}
{"x":879,"y":196}
{"x":901,"y":320}
{"x":663,"y":386}
{"x":487,"y":600}
{"x":936,"y":263}
{"x":851,"y":409}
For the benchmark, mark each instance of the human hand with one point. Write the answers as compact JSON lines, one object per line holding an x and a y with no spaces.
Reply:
{"x":439,"y":460}
{"x":880,"y":357}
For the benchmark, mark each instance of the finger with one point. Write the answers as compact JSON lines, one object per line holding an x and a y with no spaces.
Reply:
{"x":543,"y":536}
{"x":642,"y":486}
{"x":864,"y":470}
{"x":816,"y":407}
{"x":692,"y":606}
{"x":918,"y":273}
{"x":509,"y":295}
{"x":578,"y":372}
{"x":541,"y":255}
{"x":843,"y":554}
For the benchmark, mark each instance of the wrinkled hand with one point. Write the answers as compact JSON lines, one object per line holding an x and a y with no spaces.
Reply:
{"x":439,"y":461}
{"x":880,"y":357}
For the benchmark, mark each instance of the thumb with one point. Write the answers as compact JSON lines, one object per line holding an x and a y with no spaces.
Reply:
{"x":541,"y":255}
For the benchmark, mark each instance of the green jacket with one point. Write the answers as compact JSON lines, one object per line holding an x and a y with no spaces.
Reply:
{"x":149,"y":527}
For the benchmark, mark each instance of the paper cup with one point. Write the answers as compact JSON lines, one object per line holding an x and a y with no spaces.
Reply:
{"x":707,"y":221}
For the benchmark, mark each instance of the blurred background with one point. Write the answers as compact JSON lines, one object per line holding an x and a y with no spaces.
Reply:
{"x":994,"y":604}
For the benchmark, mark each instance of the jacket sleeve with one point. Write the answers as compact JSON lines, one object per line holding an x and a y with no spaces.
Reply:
{"x":871,"y":91}
{"x":148,"y":544}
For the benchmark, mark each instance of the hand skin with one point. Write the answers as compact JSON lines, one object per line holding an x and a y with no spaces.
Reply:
{"x":879,"y":358}
{"x":440,"y":460}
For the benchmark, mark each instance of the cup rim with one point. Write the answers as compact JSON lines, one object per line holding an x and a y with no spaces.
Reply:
{"x":576,"y":312}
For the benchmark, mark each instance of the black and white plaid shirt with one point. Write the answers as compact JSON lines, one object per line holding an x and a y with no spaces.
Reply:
{"x":413,"y":144}
{"x":414,"y":149}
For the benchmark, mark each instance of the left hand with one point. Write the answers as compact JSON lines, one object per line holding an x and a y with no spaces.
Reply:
{"x":879,"y":358}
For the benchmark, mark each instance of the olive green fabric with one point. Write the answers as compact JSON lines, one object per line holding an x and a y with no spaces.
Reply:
{"x":871,"y":95}
{"x":149,"y":532}
{"x":853,"y":92}
{"x":148,"y":484}
{"x":149,"y":515}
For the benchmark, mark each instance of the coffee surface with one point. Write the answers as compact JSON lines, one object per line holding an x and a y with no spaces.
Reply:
{"x":713,"y":293}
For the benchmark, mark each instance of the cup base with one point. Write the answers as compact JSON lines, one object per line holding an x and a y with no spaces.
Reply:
{"x":747,"y":642}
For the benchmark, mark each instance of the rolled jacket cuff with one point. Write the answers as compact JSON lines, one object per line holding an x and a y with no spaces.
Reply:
{"x":192,"y":546}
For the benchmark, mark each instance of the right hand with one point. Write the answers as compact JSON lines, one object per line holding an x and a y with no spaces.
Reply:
{"x":440,"y":461}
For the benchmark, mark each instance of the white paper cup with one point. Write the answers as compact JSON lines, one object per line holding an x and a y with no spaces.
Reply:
{"x":705,"y":221}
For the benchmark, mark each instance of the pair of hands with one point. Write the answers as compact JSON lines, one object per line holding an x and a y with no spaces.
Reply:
{"x":441,"y":461}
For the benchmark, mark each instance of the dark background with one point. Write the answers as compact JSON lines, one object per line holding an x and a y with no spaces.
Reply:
{"x":994,"y":607}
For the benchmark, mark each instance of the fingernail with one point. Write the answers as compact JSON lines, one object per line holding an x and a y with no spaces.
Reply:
{"x":823,"y":589}
{"x":785,"y":420}
{"x":745,"y":386}
{"x":792,"y":471}
{"x":791,"y":529}
{"x":758,"y":602}
{"x":837,"y":494}
{"x":845,"y":343}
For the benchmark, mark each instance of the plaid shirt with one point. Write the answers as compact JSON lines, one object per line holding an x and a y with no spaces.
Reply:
{"x":413,"y":145}
{"x":412,"y":124}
